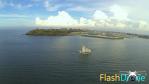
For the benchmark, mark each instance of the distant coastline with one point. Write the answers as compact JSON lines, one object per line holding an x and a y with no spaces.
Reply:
{"x":83,"y":32}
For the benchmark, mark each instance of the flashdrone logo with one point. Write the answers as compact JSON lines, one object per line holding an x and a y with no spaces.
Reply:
{"x":124,"y":76}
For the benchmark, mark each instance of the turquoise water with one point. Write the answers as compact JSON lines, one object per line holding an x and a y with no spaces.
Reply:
{"x":56,"y":59}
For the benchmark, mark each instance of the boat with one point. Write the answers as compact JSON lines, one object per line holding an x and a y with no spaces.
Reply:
{"x":85,"y":50}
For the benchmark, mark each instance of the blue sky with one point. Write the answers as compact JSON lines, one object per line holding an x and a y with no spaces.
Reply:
{"x":118,"y":14}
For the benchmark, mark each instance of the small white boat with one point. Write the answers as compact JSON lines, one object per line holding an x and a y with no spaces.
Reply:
{"x":85,"y":50}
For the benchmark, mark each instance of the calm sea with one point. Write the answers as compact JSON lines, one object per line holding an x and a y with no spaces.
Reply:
{"x":56,"y":59}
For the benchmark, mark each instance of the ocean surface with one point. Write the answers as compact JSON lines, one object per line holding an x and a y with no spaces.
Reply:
{"x":56,"y":59}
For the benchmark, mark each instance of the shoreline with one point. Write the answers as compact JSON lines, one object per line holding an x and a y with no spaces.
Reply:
{"x":85,"y":33}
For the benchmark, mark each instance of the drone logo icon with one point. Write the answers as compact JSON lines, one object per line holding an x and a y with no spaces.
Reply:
{"x":138,"y":76}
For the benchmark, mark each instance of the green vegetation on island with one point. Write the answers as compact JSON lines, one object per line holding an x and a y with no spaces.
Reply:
{"x":83,"y":32}
{"x":55,"y":32}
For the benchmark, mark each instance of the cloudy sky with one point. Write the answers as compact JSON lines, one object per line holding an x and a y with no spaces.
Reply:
{"x":129,"y":15}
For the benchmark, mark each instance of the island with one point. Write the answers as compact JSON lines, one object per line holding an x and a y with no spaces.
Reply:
{"x":84,"y":32}
{"x":55,"y":32}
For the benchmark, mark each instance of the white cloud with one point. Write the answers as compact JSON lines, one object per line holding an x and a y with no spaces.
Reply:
{"x":62,"y":19}
{"x":137,"y":9}
{"x":118,"y":13}
{"x":143,"y":25}
{"x":86,"y":22}
{"x":80,"y":9}
{"x":51,"y":7}
{"x":100,"y":19}
{"x":47,"y":5}
{"x":99,"y":15}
